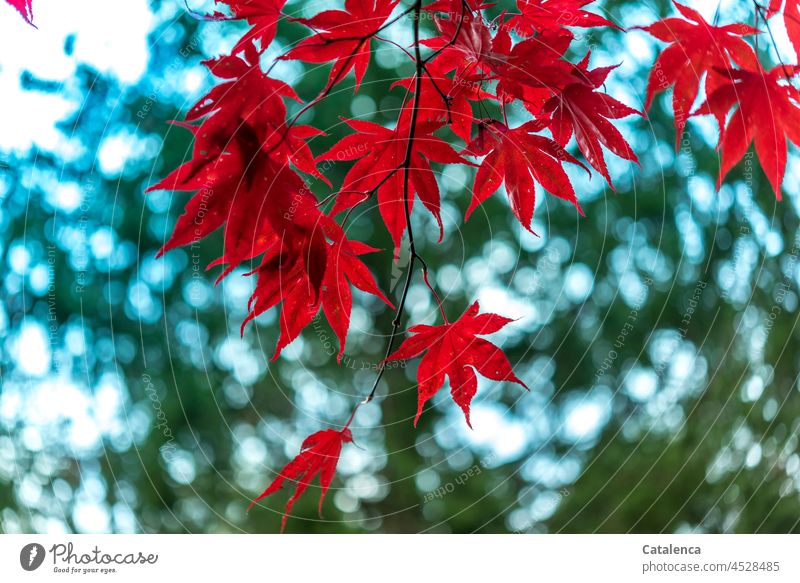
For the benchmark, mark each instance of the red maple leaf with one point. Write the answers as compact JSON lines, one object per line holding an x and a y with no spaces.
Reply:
{"x":534,"y":69}
{"x":345,"y":269}
{"x":530,"y":70}
{"x":304,"y":271}
{"x":767,"y":111}
{"x":581,"y":110}
{"x":697,"y":48}
{"x":454,"y":349}
{"x":465,"y":45}
{"x":262,"y":15}
{"x":343,"y":36}
{"x":247,"y":92}
{"x":291,"y":273}
{"x":318,"y":455}
{"x":447,"y":100}
{"x":537,"y":16}
{"x":238,"y":168}
{"x":25,"y":8}
{"x":381,"y":153}
{"x":519,"y":158}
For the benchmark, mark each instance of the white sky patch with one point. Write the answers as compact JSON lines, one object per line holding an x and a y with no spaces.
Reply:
{"x":578,"y":282}
{"x":66,"y":196}
{"x":499,"y":300}
{"x":28,"y":118}
{"x":585,"y":415}
{"x":495,"y":431}
{"x":111,"y":37}
{"x":31,"y":350}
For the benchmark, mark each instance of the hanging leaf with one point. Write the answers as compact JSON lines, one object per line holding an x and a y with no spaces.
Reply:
{"x":454,"y":350}
{"x":318,"y":456}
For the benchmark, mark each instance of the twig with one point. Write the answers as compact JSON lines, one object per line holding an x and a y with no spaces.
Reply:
{"x":760,"y":10}
{"x":340,"y":73}
{"x":452,"y":41}
{"x":406,"y":202}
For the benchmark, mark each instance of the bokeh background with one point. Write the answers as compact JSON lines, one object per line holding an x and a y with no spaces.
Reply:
{"x":658,"y":334}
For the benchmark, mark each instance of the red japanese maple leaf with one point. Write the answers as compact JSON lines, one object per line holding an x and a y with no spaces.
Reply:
{"x":530,"y":70}
{"x":238,"y":168}
{"x":448,"y":100}
{"x":464,"y":43}
{"x":519,"y":158}
{"x":766,"y":111}
{"x":291,"y":273}
{"x":381,"y":153}
{"x":262,"y":15}
{"x":318,"y":455}
{"x":454,"y":349}
{"x":305,"y":271}
{"x":697,"y":48}
{"x":345,"y":269}
{"x":581,"y":110}
{"x":343,"y":36}
{"x":245,"y":93}
{"x":25,"y":8}
{"x":538,"y":15}
{"x":534,"y":69}
{"x":241,"y":190}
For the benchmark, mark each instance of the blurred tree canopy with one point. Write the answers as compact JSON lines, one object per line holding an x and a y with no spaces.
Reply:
{"x":658,"y":333}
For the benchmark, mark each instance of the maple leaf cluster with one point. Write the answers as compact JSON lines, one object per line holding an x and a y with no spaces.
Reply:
{"x":750,"y":104}
{"x":251,"y":161}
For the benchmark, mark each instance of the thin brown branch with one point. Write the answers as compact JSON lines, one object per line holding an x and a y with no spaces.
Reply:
{"x":406,"y":198}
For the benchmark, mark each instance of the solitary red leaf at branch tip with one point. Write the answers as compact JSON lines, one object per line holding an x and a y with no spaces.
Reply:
{"x":318,"y":455}
{"x":455,"y":350}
